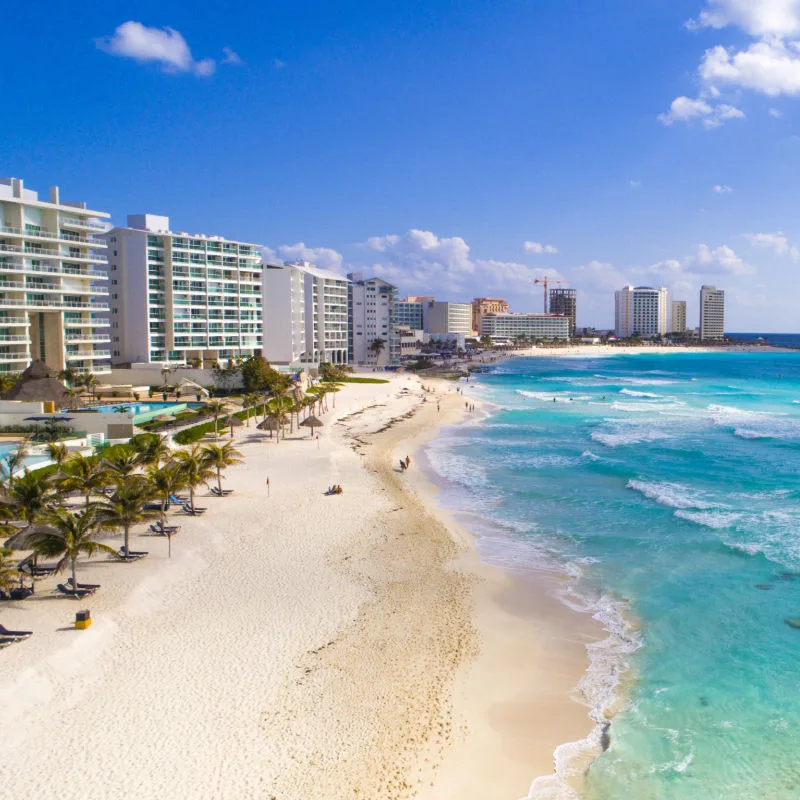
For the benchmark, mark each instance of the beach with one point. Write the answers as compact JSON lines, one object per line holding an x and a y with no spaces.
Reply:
{"x":300,"y":645}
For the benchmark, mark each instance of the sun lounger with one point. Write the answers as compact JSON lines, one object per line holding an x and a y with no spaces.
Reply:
{"x":164,"y":530}
{"x":7,"y":641}
{"x":81,"y":586}
{"x":20,"y":593}
{"x":5,"y":633}
{"x":223,"y":493}
{"x":130,"y":555}
{"x":29,"y":567}
{"x":178,"y":498}
{"x":194,"y":511}
{"x":70,"y":592}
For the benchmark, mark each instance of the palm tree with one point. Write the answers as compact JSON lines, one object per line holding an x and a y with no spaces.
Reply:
{"x":89,"y":380}
{"x":377,"y":347}
{"x":70,"y":376}
{"x":165,"y":481}
{"x":58,"y":453}
{"x":84,"y":475}
{"x":249,"y":401}
{"x":67,"y":536}
{"x":219,"y":457}
{"x":126,"y":507}
{"x":7,"y":514}
{"x":121,"y":464}
{"x":73,"y":393}
{"x":30,"y":495}
{"x":332,"y":388}
{"x":276,"y":409}
{"x":217,"y":409}
{"x":194,"y":468}
{"x":9,"y":574}
{"x":151,"y":449}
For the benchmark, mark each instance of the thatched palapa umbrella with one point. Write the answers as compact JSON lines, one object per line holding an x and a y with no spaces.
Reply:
{"x":39,"y":384}
{"x":312,"y":422}
{"x":233,"y":422}
{"x":270,"y":424}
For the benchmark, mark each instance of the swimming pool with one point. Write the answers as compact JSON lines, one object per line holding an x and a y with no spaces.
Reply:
{"x":144,"y":412}
{"x":7,"y":448}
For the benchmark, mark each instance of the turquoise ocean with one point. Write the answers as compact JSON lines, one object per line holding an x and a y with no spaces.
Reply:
{"x":667,"y":487}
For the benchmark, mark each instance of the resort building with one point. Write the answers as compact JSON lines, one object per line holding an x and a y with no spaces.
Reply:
{"x":678,"y":316}
{"x":181,"y":298}
{"x":53,"y":282}
{"x":641,"y":311}
{"x":486,"y":305}
{"x":411,"y":341}
{"x":441,"y":317}
{"x":284,"y":310}
{"x":373,"y":339}
{"x":324,"y":314}
{"x":712,"y":314}
{"x":565,"y":302}
{"x":409,"y":312}
{"x":531,"y":326}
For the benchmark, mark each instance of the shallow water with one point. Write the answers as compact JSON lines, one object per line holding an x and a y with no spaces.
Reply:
{"x":668,"y":487}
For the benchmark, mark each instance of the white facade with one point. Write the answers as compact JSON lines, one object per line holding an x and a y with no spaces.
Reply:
{"x":53,"y":282}
{"x":443,"y":317}
{"x":536,"y":326}
{"x":284,"y":309}
{"x":678,"y":316}
{"x":324,"y":314}
{"x":179,"y":298}
{"x":712,"y":314}
{"x":371,"y":306}
{"x":642,"y":310}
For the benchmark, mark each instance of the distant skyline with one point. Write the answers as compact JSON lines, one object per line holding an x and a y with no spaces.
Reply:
{"x":457,"y":150}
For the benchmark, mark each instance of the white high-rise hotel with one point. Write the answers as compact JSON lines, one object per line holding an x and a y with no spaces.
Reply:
{"x":712,"y":313}
{"x":177,"y":297}
{"x":642,"y":310}
{"x":314,"y":303}
{"x":53,"y":291}
{"x":373,"y":335}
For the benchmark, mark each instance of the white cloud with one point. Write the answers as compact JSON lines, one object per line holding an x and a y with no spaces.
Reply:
{"x":278,"y":64}
{"x":153,"y":45}
{"x":718,"y":261}
{"x":723,"y":189}
{"x":635,"y":184}
{"x":323,"y":257}
{"x":685,"y":109}
{"x":771,"y":67}
{"x":231,"y":57}
{"x":599,"y":276}
{"x":775,"y":113}
{"x":756,"y":17}
{"x":777,"y":242}
{"x":538,"y":249}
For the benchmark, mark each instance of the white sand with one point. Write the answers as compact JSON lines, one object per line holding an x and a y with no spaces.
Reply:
{"x":297,"y":646}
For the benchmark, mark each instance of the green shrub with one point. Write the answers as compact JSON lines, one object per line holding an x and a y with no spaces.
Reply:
{"x":362,"y":380}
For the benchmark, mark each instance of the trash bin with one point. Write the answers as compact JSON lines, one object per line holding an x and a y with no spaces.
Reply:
{"x":83,"y":619}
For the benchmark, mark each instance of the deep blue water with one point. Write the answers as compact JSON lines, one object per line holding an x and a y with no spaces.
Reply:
{"x":667,"y":485}
{"x":777,"y":339}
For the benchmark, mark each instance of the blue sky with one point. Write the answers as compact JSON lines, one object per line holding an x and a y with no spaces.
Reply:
{"x":650,"y":141}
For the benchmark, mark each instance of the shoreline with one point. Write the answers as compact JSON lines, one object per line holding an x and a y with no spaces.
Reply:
{"x":303,"y":645}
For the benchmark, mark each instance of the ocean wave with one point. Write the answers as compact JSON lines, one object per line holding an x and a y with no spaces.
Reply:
{"x":671,"y":495}
{"x":634,"y":393}
{"x":549,"y":397}
{"x":710,"y":519}
{"x":628,"y":436}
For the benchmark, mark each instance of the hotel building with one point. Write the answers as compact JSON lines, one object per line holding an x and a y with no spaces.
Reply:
{"x":320,"y":328}
{"x":641,"y":311}
{"x":180,"y":298}
{"x":486,"y":305}
{"x":409,"y":312}
{"x":678,"y":316}
{"x":441,"y":317}
{"x":370,"y":320}
{"x":565,"y":302}
{"x":712,"y":314}
{"x":53,"y":282}
{"x":531,"y":326}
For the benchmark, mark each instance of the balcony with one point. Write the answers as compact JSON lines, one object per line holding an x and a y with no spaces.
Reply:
{"x":88,"y":354}
{"x":12,"y":358}
{"x":87,"y":241}
{"x":13,"y":321}
{"x":54,"y":304}
{"x":82,"y":224}
{"x":88,"y":338}
{"x":19,"y":266}
{"x":11,"y":338}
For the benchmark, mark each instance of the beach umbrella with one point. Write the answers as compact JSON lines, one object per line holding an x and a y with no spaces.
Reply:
{"x":312,"y":422}
{"x":165,"y":418}
{"x":269,"y":424}
{"x":233,"y":422}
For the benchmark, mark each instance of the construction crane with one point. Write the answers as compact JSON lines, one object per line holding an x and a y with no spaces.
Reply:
{"x":546,"y":281}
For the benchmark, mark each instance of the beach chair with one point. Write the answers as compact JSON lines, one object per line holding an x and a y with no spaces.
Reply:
{"x":217,"y":493}
{"x":20,"y":593}
{"x":164,"y":530}
{"x":76,"y":593}
{"x":194,"y":511}
{"x":82,"y":586}
{"x":180,"y":499}
{"x":5,"y":633}
{"x":130,"y":555}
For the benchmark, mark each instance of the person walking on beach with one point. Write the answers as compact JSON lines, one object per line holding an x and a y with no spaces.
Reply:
{"x":408,"y":461}
{"x":402,"y":465}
